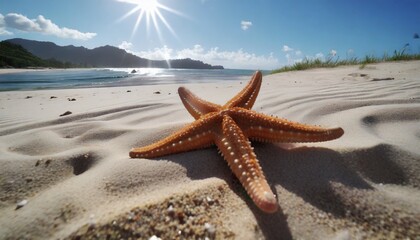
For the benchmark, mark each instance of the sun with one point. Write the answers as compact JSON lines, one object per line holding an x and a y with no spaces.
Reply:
{"x":151,"y":11}
{"x":148,"y":6}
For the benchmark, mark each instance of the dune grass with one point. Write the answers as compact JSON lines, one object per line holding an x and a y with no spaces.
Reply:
{"x":332,"y":62}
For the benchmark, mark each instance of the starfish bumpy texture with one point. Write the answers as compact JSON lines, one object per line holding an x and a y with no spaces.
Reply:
{"x":230,"y":127}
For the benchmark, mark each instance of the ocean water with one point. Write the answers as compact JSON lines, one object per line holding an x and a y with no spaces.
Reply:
{"x":112,"y":77}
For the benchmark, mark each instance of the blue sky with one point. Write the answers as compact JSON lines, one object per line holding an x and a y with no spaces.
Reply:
{"x":247,"y":34}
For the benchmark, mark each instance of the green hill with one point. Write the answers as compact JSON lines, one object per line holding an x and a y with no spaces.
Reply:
{"x":15,"y":56}
{"x":12,"y":55}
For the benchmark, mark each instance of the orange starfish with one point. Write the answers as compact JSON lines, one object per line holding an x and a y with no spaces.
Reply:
{"x":229,"y":127}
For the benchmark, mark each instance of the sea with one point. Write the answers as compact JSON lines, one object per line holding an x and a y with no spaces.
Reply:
{"x":115,"y":77}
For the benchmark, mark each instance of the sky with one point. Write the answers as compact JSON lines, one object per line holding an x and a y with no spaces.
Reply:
{"x":238,"y":34}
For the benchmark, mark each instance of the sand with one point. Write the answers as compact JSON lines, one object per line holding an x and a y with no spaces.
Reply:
{"x":21,"y":70}
{"x":78,"y":182}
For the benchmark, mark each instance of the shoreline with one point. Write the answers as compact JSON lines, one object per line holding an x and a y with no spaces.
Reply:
{"x":21,"y":70}
{"x":76,"y":78}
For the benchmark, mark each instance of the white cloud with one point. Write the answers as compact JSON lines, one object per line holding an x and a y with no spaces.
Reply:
{"x":293,"y":56}
{"x":229,"y":59}
{"x":20,"y":22}
{"x":42,"y":25}
{"x":245,"y":25}
{"x":125,"y":45}
{"x":286,"y":48}
{"x":3,"y":30}
{"x":163,"y":53}
{"x":319,"y":56}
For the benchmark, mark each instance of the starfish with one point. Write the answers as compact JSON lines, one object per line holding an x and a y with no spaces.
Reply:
{"x":230,"y":127}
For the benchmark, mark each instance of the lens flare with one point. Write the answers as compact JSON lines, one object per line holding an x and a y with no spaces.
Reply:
{"x":151,"y":10}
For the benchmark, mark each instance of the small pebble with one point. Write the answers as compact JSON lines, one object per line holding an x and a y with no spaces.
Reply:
{"x":66,"y":113}
{"x":21,"y":204}
{"x":47,"y":162}
{"x":92,"y":220}
{"x":210,"y":228}
{"x":170,"y":209}
{"x":154,"y":238}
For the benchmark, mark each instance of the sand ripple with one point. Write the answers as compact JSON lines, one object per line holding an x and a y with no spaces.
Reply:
{"x":75,"y":170}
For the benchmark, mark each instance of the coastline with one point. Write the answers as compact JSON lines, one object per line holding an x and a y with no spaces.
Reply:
{"x":75,"y":173}
{"x":20,"y":70}
{"x":77,"y":78}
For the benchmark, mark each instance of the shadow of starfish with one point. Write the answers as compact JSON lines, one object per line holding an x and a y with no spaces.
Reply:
{"x":306,"y":171}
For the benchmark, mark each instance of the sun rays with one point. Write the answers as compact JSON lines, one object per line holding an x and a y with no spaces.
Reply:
{"x":150,"y":10}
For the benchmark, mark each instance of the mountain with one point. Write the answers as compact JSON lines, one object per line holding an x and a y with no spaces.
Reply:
{"x":105,"y":56}
{"x":13,"y":55}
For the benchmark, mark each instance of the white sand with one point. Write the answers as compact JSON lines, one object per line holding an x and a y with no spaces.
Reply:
{"x":20,"y":70}
{"x":75,"y":170}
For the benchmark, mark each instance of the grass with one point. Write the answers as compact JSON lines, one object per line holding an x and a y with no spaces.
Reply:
{"x":331,"y":62}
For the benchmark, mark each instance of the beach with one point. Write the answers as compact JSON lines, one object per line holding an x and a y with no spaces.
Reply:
{"x":66,"y":173}
{"x":21,"y":70}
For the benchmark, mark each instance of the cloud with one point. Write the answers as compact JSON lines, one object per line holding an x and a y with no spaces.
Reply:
{"x":293,"y":56}
{"x":319,"y":56}
{"x":125,"y":45}
{"x":286,"y":48}
{"x":42,"y":25}
{"x":229,"y":59}
{"x":20,"y":22}
{"x":163,"y":53}
{"x":3,"y":30}
{"x":245,"y":25}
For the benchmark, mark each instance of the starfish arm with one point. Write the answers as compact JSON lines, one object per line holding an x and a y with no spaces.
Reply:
{"x":230,"y":127}
{"x":194,"y":136}
{"x":246,"y":98}
{"x":196,"y":106}
{"x":237,"y":151}
{"x":261,"y":127}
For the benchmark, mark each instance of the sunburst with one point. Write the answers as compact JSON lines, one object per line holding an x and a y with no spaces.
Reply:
{"x":151,"y":10}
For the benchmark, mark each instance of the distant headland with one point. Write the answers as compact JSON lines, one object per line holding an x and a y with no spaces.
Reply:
{"x":23,"y":53}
